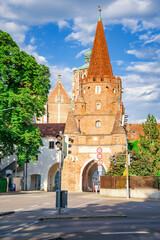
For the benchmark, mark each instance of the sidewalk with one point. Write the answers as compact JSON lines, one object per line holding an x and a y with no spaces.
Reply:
{"x":77,"y":214}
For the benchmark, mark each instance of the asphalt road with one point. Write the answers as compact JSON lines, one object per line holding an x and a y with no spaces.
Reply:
{"x":142,"y":221}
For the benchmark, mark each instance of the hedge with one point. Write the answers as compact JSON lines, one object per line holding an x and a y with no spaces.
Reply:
{"x":3,"y":184}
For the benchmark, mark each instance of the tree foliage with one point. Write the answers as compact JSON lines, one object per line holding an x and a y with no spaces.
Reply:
{"x":24,"y":88}
{"x":145,"y":153}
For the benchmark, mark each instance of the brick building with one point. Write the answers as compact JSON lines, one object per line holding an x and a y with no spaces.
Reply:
{"x":96,"y":120}
{"x":57,"y":106}
{"x":93,"y":120}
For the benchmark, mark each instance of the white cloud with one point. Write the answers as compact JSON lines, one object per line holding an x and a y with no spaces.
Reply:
{"x":145,"y":67}
{"x":33,"y":39}
{"x":133,"y":79}
{"x":17,"y":31}
{"x":120,"y":62}
{"x":62,"y":24}
{"x":141,"y":93}
{"x":6,"y":12}
{"x":154,"y":38}
{"x":144,"y":53}
{"x":81,"y":53}
{"x":128,"y":8}
{"x":31,"y":49}
{"x":82,"y":32}
{"x":134,"y":15}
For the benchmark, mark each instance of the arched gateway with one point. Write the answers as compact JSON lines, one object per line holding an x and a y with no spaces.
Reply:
{"x":89,"y":173}
{"x":52,"y":177}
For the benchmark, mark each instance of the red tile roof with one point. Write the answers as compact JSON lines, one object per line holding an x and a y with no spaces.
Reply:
{"x":50,"y":129}
{"x":100,"y":64}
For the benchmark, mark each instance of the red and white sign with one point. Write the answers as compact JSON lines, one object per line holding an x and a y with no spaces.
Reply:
{"x":99,"y":156}
{"x":99,"y":150}
{"x":100,"y":162}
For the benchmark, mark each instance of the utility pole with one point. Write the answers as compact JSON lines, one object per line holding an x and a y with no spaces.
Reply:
{"x":124,"y":121}
{"x":127,"y":173}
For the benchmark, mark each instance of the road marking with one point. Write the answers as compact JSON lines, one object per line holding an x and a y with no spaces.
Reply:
{"x":17,"y":230}
{"x":118,"y":233}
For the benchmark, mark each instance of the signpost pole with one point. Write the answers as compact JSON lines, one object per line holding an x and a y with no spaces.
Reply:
{"x":59,"y":187}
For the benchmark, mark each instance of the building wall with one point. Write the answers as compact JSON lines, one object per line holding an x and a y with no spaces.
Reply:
{"x":46,"y":160}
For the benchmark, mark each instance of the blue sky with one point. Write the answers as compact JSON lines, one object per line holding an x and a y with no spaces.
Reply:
{"x":57,"y":32}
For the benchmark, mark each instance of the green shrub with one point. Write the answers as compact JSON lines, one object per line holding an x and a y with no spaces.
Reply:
{"x":3,"y":184}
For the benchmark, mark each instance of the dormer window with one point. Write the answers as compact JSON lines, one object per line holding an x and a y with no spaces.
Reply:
{"x":98,"y":124}
{"x":98,"y":90}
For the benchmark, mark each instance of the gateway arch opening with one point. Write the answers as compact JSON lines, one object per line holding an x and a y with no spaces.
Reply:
{"x":91,"y":175}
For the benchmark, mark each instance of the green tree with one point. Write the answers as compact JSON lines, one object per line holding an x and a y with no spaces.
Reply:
{"x":117,"y":166}
{"x":24,"y":88}
{"x":146,"y":161}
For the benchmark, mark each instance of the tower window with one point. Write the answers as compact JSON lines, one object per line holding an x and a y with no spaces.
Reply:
{"x":51,"y":145}
{"x":98,"y":105}
{"x":98,"y":90}
{"x":114,"y":90}
{"x":98,"y":124}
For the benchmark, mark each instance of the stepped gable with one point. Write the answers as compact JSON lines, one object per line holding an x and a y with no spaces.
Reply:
{"x":71,"y":126}
{"x":100,"y":65}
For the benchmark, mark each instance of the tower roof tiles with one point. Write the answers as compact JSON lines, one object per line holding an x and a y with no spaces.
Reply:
{"x":100,"y":64}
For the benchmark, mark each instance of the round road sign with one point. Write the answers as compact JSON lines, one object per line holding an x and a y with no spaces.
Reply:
{"x":100,"y":162}
{"x":99,"y":150}
{"x":99,"y":156}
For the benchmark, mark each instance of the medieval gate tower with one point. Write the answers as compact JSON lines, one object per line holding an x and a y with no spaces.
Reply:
{"x":96,"y":118}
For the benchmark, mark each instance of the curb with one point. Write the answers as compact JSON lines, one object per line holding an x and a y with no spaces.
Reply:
{"x":6,"y":213}
{"x":36,"y":236}
{"x":63,"y":217}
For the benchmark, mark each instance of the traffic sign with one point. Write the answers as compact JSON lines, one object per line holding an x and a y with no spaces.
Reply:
{"x":99,"y":168}
{"x":99,"y":156}
{"x":99,"y":150}
{"x":100,"y":162}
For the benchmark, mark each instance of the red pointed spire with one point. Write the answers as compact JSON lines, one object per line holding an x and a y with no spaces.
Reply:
{"x":100,"y":64}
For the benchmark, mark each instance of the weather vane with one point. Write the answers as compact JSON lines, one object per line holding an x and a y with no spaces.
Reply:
{"x":99,"y":12}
